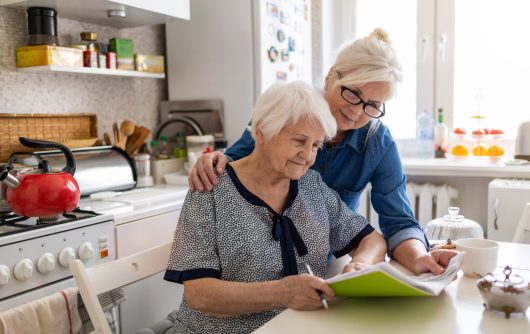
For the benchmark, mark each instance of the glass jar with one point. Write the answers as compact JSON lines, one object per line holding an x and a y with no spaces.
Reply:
{"x":197,"y":145}
{"x":453,"y":226}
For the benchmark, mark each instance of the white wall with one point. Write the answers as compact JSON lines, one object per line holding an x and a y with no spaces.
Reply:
{"x":219,"y":32}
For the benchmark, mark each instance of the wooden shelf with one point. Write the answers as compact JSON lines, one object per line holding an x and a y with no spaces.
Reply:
{"x":90,"y":70}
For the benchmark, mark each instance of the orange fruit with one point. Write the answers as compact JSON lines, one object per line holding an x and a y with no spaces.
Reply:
{"x":480,"y":150}
{"x":495,"y":151}
{"x":459,"y":151}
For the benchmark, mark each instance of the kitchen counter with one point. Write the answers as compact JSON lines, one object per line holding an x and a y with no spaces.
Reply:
{"x":470,"y":167}
{"x":458,"y":309}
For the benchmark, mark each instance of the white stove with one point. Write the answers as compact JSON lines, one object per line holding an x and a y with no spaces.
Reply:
{"x":35,"y":255}
{"x":144,"y":218}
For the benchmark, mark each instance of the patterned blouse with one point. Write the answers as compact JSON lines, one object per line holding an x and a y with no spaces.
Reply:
{"x":232,"y":235}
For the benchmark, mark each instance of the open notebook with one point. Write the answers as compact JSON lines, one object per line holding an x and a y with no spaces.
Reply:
{"x":387,"y":280}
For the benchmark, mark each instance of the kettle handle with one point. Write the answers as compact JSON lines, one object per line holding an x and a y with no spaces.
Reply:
{"x":70,"y":161}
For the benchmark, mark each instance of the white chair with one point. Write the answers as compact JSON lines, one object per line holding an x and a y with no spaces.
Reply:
{"x":115,"y":274}
{"x":522,"y":232}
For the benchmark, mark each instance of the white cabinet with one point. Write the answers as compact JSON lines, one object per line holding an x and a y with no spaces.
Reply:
{"x":138,"y":12}
{"x":150,"y":299}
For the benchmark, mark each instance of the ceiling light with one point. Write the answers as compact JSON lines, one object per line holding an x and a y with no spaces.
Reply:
{"x":113,"y":13}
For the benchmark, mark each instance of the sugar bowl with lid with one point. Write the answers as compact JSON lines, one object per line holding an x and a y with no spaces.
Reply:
{"x":508,"y":294}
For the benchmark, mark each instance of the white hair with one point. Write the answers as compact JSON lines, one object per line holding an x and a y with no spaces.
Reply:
{"x":283,"y":104}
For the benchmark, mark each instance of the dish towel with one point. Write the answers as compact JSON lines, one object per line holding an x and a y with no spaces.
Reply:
{"x":56,"y":313}
{"x":108,"y":300}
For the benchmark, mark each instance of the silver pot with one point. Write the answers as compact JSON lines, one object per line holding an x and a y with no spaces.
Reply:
{"x":508,"y":294}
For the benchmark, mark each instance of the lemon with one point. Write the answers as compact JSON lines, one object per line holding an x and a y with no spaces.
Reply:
{"x":459,"y":151}
{"x":495,"y":151}
{"x":480,"y":150}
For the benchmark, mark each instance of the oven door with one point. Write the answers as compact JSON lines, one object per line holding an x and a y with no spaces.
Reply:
{"x":34,"y":294}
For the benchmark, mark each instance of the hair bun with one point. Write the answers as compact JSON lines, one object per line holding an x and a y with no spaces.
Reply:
{"x":380,"y":34}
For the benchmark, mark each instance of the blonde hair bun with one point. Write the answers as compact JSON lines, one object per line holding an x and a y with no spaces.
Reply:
{"x":380,"y":34}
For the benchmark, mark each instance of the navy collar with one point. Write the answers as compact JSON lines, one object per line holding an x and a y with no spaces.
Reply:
{"x":283,"y":229}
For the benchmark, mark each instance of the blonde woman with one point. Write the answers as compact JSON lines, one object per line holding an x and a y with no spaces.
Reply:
{"x":365,"y":75}
{"x":241,"y":250}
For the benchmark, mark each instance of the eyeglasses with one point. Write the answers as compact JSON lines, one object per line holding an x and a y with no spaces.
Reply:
{"x":374,"y":109}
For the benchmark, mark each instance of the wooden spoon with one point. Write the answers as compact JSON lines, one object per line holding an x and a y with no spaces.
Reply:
{"x":106,"y":139}
{"x":127,"y":129}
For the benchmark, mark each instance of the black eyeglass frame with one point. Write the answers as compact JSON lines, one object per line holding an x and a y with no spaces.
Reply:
{"x":361,"y":101}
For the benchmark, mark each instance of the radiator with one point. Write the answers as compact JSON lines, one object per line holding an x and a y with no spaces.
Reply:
{"x":427,"y":201}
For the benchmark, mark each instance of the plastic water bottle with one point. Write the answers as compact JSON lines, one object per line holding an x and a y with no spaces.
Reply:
{"x":425,"y":135}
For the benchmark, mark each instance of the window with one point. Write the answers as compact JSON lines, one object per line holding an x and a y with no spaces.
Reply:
{"x":468,"y":57}
{"x":492,"y":63}
{"x":402,"y":30}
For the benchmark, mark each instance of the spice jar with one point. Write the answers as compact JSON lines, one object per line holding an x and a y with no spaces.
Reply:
{"x":91,"y":55}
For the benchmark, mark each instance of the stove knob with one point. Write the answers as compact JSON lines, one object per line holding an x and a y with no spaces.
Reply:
{"x":23,"y":269}
{"x":5,"y":273}
{"x":46,"y":263}
{"x":66,"y":256}
{"x":86,"y":251}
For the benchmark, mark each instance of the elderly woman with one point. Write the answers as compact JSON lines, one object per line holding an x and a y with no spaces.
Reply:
{"x":241,"y":250}
{"x":365,"y":75}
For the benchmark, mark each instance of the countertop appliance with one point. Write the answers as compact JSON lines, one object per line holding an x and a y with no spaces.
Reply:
{"x":506,"y":201}
{"x":144,"y":218}
{"x":98,"y":168}
{"x":35,"y":254}
{"x":233,"y":50}
{"x":522,"y":142}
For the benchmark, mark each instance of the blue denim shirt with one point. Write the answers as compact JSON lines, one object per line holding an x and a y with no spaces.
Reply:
{"x":350,"y":165}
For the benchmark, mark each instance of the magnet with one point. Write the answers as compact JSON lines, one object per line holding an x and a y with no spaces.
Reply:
{"x":280,"y":35}
{"x":291,"y":43}
{"x":273,"y":54}
{"x":284,"y":17}
{"x":285,"y":54}
{"x":281,"y":75}
{"x":291,"y":67}
{"x":272,"y":9}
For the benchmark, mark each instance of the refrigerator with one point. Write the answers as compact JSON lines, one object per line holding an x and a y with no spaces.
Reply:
{"x":233,"y":50}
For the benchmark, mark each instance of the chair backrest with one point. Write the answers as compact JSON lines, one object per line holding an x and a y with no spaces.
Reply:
{"x":111,"y":275}
{"x":522,"y":232}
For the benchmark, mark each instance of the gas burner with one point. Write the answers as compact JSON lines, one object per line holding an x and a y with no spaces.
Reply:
{"x":11,"y":223}
{"x":48,"y":219}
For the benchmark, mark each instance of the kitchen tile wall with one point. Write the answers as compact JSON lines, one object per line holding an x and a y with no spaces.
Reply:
{"x":111,"y":98}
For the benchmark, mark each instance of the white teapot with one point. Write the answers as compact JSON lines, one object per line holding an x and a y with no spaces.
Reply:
{"x":453,"y":226}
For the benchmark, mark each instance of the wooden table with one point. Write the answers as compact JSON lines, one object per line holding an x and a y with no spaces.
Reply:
{"x":458,"y":309}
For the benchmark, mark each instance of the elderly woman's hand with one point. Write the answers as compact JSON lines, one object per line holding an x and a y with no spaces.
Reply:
{"x":203,"y":175}
{"x":300,"y":291}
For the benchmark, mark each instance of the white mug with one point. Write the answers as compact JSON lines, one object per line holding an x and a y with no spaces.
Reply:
{"x":480,"y":255}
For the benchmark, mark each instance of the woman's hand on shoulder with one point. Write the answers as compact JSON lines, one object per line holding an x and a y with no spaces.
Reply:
{"x":203,"y":174}
{"x":300,"y":291}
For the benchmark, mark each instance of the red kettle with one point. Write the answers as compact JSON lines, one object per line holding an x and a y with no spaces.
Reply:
{"x":40,"y":192}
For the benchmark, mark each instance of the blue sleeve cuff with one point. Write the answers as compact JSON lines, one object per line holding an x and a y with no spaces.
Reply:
{"x":186,"y":275}
{"x":355,"y":241}
{"x":406,"y":234}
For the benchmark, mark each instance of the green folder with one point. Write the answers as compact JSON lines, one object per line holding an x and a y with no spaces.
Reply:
{"x":386,"y":280}
{"x":375,"y":284}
